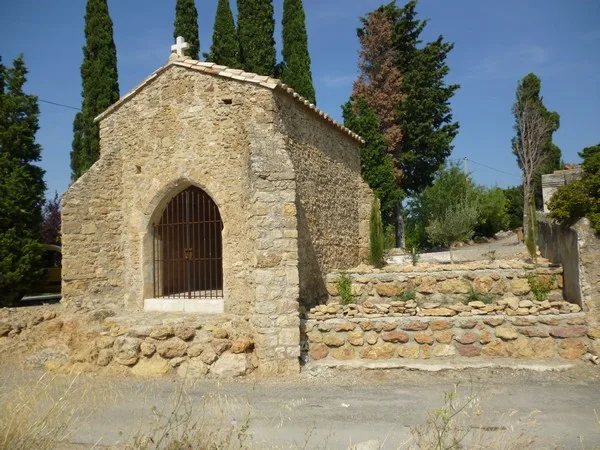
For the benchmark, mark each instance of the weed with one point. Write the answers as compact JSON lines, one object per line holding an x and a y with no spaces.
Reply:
{"x":474,"y":296}
{"x":415,"y":255}
{"x":344,"y":286}
{"x":541,"y":286}
{"x":460,"y":424}
{"x":408,"y":294}
{"x":490,"y":255}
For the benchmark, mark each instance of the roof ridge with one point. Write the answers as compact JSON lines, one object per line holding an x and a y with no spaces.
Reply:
{"x":236,"y":74}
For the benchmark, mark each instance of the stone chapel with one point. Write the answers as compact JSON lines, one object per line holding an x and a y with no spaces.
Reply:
{"x":216,"y":191}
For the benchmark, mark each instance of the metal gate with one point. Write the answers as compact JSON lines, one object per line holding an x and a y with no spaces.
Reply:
{"x":188,"y":253}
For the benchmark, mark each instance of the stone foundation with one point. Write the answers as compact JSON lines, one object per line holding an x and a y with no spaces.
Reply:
{"x":530,"y":337}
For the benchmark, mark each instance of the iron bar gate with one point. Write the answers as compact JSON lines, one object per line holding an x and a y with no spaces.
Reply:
{"x":188,"y":250}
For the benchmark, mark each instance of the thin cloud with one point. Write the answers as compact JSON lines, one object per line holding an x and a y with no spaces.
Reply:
{"x":504,"y":63}
{"x":337,"y":81}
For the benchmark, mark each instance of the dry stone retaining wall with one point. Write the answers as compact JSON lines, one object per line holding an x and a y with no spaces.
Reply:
{"x":447,"y":285}
{"x":493,"y":336}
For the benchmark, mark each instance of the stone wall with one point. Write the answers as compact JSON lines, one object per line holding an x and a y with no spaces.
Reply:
{"x":330,"y":197}
{"x":552,"y":181}
{"x":577,"y":248}
{"x":443,"y":285}
{"x":492,"y":336}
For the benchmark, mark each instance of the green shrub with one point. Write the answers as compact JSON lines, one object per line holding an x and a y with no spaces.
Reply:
{"x":580,"y":198}
{"x":474,"y":296}
{"x":456,"y":224}
{"x":408,"y":294}
{"x":389,"y":237}
{"x":376,"y":235}
{"x":344,"y":286}
{"x":492,"y":208}
{"x":541,"y":286}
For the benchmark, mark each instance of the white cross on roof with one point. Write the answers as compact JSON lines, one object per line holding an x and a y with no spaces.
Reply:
{"x":180,"y":46}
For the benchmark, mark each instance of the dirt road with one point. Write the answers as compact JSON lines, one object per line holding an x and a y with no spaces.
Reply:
{"x":331,"y":410}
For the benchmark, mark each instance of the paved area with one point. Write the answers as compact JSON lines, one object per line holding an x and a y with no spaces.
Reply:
{"x":331,"y":409}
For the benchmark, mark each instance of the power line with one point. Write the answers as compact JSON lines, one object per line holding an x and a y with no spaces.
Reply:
{"x":59,"y":104}
{"x":461,"y":160}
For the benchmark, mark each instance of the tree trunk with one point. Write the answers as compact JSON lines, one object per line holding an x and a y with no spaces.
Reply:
{"x":400,"y":235}
{"x":526,"y":209}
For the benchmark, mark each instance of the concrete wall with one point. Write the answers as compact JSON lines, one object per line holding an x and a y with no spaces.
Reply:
{"x":332,"y":200}
{"x":577,"y":248}
{"x":552,"y":181}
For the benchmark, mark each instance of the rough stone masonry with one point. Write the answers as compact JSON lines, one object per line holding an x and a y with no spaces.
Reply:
{"x":284,"y":176}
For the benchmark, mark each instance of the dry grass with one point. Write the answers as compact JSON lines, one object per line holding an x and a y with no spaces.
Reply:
{"x":460,"y":423}
{"x":42,"y":414}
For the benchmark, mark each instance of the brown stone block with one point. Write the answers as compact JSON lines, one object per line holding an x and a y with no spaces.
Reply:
{"x":388,"y":289}
{"x":572,"y":348}
{"x":483,"y":284}
{"x":172,"y":348}
{"x":408,"y":351}
{"x":576,"y":321}
{"x":318,"y":351}
{"x":220,"y":345}
{"x":356,"y":337}
{"x":468,"y":324}
{"x":494,"y":348}
{"x":467,"y":337}
{"x":333,"y":340}
{"x":241,"y":345}
{"x":395,"y":336}
{"x":543,"y":348}
{"x":423,"y":337}
{"x":454,"y":286}
{"x":425,"y":351}
{"x":520,"y":348}
{"x":468,"y":350}
{"x":415,"y":325}
{"x":523,"y":322}
{"x":444,"y":337}
{"x":494,"y":322}
{"x":507,"y":333}
{"x":568,"y":332}
{"x":314,"y":336}
{"x":439,"y":325}
{"x":520,"y":286}
{"x":368,"y":325}
{"x":371,"y":337}
{"x":443,"y":350}
{"x":594,"y":333}
{"x":442,"y":312}
{"x":485,"y":337}
{"x":345,"y":352}
{"x":345,"y":326}
{"x":378,"y":351}
{"x":549,"y":321}
{"x":534,"y":331}
{"x":390,"y":326}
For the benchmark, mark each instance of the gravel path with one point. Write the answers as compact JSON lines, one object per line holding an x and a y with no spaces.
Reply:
{"x":505,"y":248}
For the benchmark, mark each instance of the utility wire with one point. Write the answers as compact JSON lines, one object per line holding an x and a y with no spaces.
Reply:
{"x":59,"y":104}
{"x":484,"y":165}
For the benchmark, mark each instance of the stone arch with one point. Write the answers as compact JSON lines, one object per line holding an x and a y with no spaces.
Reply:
{"x":153,"y":214}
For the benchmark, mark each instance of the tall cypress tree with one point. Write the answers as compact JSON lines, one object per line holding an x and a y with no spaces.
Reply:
{"x":186,"y":25}
{"x":296,"y":68}
{"x":100,"y":85}
{"x":225,"y":48}
{"x":21,"y":185}
{"x":255,"y":32}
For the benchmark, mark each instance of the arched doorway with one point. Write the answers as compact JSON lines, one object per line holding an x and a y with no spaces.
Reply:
{"x":187,"y":247}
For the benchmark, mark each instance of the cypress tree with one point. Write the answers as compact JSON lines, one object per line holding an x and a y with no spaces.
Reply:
{"x":186,"y":25}
{"x":255,"y":33}
{"x":296,"y":68}
{"x":21,"y":186}
{"x":225,"y":48}
{"x":100,"y":85}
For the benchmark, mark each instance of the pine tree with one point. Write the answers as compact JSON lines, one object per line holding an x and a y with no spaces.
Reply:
{"x":255,"y":33}
{"x":21,"y":185}
{"x":377,"y":166}
{"x":186,"y":25}
{"x":404,"y":82}
{"x":100,"y":85}
{"x":296,"y":59}
{"x":225,"y":48}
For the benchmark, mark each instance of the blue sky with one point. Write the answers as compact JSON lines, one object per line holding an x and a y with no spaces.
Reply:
{"x":497,"y":43}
